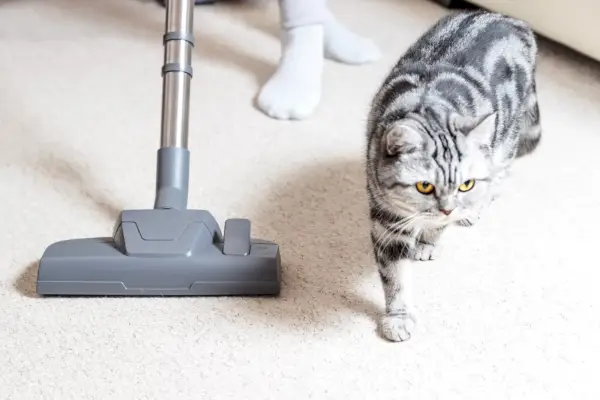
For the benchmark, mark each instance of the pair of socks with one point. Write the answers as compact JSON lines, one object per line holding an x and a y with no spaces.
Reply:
{"x":294,"y":91}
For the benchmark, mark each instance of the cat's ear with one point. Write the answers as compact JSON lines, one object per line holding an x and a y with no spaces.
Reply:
{"x":478,"y":131}
{"x":402,"y":138}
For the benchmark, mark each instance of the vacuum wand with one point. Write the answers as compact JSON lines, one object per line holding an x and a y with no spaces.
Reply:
{"x":173,"y":158}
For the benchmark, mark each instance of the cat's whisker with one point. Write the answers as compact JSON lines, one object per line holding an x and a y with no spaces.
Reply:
{"x":392,"y":231}
{"x":403,"y":223}
{"x":391,"y":234}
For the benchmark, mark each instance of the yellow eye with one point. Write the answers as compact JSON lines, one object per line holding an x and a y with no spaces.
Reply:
{"x":467,"y":185}
{"x":425,"y":187}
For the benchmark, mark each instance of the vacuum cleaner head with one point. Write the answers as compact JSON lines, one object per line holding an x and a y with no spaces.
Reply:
{"x":163,"y":253}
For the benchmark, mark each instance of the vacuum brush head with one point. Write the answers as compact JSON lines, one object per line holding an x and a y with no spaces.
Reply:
{"x":163,"y":252}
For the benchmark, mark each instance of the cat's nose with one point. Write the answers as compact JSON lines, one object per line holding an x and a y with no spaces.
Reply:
{"x":446,"y":211}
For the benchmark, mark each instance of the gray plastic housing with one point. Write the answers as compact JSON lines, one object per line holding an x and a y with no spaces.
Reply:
{"x":165,"y":252}
{"x":172,"y":178}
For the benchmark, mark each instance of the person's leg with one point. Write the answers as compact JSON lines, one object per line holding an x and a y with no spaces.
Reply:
{"x":294,"y":90}
{"x":310,"y":32}
{"x":347,"y":47}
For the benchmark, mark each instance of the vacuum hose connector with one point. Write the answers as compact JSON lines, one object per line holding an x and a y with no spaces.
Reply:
{"x":173,"y":156}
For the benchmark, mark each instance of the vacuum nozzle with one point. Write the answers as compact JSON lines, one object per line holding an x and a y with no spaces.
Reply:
{"x":163,"y":253}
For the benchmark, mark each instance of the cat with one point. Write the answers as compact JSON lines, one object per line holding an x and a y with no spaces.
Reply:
{"x":443,"y":131}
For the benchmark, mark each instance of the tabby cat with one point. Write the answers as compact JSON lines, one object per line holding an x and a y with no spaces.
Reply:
{"x":444,"y":127}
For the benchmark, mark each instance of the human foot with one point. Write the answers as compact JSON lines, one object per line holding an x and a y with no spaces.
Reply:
{"x":294,"y":90}
{"x":347,"y":47}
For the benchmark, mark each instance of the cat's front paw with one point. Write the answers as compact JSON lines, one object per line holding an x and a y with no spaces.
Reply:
{"x":398,"y":327}
{"x":426,"y":252}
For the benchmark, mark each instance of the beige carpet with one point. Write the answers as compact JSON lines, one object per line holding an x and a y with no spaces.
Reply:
{"x":510,"y":311}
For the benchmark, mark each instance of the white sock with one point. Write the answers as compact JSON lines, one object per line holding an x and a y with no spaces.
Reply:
{"x":294,"y":90}
{"x":347,"y":47}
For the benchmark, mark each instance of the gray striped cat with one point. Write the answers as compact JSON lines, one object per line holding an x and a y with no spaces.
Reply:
{"x":453,"y":114}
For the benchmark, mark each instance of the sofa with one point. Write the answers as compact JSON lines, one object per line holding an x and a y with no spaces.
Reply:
{"x":571,"y":23}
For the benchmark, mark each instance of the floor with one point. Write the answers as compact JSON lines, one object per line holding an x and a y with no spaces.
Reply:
{"x":510,"y":310}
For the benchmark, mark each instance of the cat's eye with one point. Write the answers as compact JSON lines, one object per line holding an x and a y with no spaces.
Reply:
{"x":467,"y":185}
{"x":425,"y":187}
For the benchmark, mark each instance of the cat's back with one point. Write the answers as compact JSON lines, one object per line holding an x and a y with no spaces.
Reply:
{"x":471,"y":60}
{"x":474,"y":39}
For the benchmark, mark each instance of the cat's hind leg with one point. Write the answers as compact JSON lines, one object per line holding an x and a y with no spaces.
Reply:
{"x":530,"y":127}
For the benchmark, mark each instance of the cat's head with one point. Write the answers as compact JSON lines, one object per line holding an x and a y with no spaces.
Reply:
{"x":437,"y":175}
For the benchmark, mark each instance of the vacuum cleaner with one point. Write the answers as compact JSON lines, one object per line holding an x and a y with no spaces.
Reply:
{"x":168,"y":250}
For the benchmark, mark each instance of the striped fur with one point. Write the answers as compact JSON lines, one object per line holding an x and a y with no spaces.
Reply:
{"x":460,"y":105}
